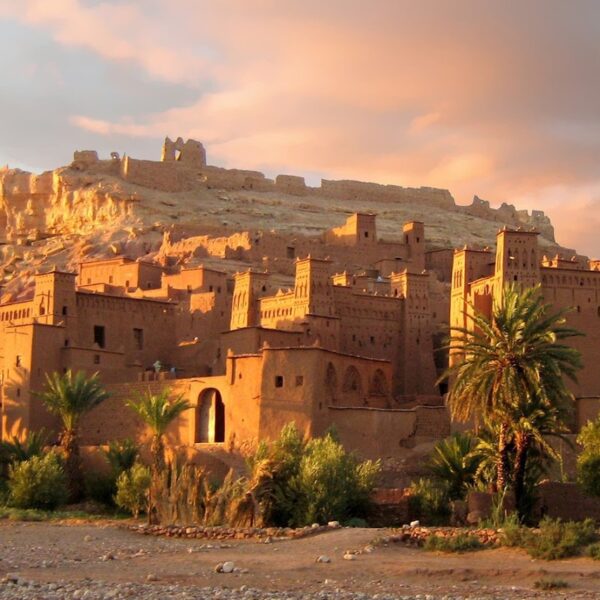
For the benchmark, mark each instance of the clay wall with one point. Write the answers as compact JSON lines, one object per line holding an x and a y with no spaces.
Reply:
{"x":440,"y":262}
{"x":120,"y":272}
{"x":572,"y":289}
{"x":566,"y":501}
{"x":586,"y":409}
{"x":163,"y":176}
{"x":359,"y":190}
{"x":291,"y":184}
{"x":144,"y":330}
{"x":376,"y":433}
{"x":236,"y":179}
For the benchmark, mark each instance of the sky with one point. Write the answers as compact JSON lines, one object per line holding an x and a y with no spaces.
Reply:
{"x":497,"y":99}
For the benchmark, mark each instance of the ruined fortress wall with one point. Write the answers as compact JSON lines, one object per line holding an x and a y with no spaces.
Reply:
{"x":236,"y":179}
{"x":359,"y":190}
{"x":163,"y":176}
{"x":291,"y":184}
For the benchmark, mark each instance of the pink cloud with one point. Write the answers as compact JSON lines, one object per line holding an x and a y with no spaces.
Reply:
{"x":478,"y":97}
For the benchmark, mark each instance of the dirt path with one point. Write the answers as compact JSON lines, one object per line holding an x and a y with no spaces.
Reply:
{"x":78,"y":554}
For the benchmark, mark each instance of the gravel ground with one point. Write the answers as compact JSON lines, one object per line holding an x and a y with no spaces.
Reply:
{"x":50,"y":561}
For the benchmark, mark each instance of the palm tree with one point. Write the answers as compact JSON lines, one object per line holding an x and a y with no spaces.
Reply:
{"x":158,"y":412}
{"x":70,"y":396}
{"x":511,"y":363}
{"x":532,"y":421}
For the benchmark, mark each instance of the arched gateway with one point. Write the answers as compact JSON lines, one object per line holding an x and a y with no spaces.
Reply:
{"x":210,"y":417}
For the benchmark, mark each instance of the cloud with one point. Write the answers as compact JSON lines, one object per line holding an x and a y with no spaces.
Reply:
{"x":483,"y":98}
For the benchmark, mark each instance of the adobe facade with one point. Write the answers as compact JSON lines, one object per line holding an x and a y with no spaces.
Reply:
{"x":479,"y":276}
{"x":346,"y":348}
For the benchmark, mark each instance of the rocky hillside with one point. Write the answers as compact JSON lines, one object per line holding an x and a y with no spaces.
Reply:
{"x":97,"y":208}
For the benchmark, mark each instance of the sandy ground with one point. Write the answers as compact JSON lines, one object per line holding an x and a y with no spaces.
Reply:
{"x":48,"y":553}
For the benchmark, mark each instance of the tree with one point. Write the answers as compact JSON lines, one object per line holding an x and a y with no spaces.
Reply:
{"x":588,"y":462}
{"x":512,"y":375}
{"x":158,"y":412}
{"x":70,"y":396}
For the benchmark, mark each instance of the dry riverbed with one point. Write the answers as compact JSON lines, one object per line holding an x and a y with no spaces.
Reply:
{"x":102,"y":560}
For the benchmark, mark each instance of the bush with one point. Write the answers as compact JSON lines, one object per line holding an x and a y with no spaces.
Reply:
{"x":557,"y":539}
{"x":463,"y":542}
{"x":430,"y":500}
{"x":331,"y":483}
{"x":588,"y":474}
{"x":550,"y":584}
{"x":594,"y":551}
{"x":297,"y":483}
{"x":101,"y":488}
{"x":39,"y":482}
{"x":456,"y":462}
{"x":513,"y":534}
{"x":589,"y":438}
{"x":133,"y":487}
{"x":121,"y":456}
{"x":15,"y":450}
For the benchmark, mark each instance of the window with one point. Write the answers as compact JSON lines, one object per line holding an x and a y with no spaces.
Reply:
{"x":18,"y":360}
{"x":96,"y":359}
{"x":66,"y":342}
{"x":278,"y":381}
{"x":210,"y":288}
{"x":99,"y":336}
{"x":366,"y":234}
{"x":290,"y":252}
{"x":299,"y":380}
{"x":138,"y":338}
{"x":127,"y":283}
{"x":65,"y":311}
{"x":110,"y":279}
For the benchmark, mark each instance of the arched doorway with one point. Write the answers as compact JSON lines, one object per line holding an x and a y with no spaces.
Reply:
{"x":352,"y":386}
{"x":378,"y":384}
{"x":331,"y":383}
{"x":210,"y":418}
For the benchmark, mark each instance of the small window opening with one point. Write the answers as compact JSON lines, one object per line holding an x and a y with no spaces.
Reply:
{"x":99,"y":336}
{"x":138,"y":338}
{"x":299,"y":380}
{"x":278,"y":381}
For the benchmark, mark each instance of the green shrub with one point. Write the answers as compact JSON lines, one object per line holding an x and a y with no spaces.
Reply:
{"x":550,"y":584}
{"x":15,"y":450}
{"x":463,"y":542}
{"x":355,"y":522}
{"x":132,"y":489}
{"x":455,"y":461}
{"x":557,"y":539}
{"x":589,"y":438}
{"x":101,"y":488}
{"x":39,"y":482}
{"x":513,"y":534}
{"x":430,"y":500}
{"x":298,"y":483}
{"x":121,"y":455}
{"x":594,"y":551}
{"x":331,"y":483}
{"x":588,"y":474}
